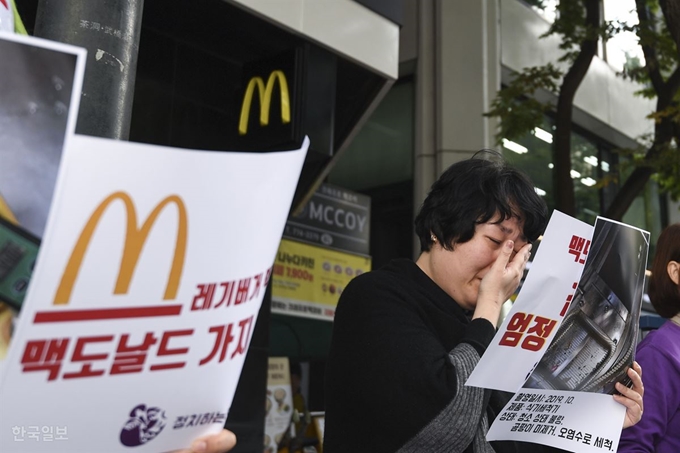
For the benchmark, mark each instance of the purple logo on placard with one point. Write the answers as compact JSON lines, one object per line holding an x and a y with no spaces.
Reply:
{"x":144,"y":425}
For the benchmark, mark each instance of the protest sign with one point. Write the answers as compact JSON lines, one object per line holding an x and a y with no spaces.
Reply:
{"x":568,"y":351}
{"x":6,"y":16}
{"x":548,"y":286}
{"x":150,"y":275}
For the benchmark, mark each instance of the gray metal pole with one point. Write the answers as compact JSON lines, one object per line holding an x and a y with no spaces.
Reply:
{"x":109,"y":30}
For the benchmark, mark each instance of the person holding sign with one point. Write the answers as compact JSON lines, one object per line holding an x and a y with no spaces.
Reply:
{"x":407,"y":336}
{"x":659,"y":353}
{"x":221,"y":442}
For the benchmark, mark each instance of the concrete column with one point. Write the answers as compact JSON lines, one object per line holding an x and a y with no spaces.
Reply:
{"x":458,"y":73}
{"x":425,"y":146}
{"x":110,"y":32}
{"x":468,"y":74}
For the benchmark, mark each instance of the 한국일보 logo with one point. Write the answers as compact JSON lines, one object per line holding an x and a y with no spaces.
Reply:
{"x":143,"y":425}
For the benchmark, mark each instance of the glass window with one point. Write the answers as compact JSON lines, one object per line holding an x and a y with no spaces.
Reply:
{"x":584,"y":172}
{"x":382,"y":151}
{"x":589,"y":162}
{"x":533,"y":154}
{"x":645,"y":211}
{"x":592,"y":162}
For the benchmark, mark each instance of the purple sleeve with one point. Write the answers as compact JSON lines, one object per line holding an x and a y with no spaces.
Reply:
{"x":660,"y":377}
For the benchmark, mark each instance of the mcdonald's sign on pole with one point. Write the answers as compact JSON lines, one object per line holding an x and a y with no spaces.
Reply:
{"x":144,"y":297}
{"x":270,"y":102}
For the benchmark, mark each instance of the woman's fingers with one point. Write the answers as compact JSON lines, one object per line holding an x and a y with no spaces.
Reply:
{"x":632,"y":398}
{"x":221,"y":442}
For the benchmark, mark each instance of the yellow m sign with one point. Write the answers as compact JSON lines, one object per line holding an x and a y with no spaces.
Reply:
{"x":135,"y":238}
{"x":265,"y":94}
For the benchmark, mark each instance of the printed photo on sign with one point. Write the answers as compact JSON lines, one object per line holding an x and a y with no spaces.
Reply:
{"x":595,"y":344}
{"x":40,"y":92}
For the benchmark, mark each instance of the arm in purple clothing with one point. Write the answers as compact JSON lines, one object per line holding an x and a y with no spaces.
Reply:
{"x":661,"y":400}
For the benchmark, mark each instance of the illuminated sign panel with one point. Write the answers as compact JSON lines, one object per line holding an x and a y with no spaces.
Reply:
{"x":270,"y":102}
{"x":307,"y":281}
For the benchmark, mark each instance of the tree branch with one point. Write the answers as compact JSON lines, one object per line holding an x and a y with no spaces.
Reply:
{"x":651,"y":60}
{"x":563,"y":183}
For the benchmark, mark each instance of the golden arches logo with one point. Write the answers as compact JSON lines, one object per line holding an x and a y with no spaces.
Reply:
{"x":265,"y":94}
{"x":134,"y":241}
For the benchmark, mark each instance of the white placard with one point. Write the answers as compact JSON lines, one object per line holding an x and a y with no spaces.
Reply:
{"x":548,"y":285}
{"x":142,"y":305}
{"x":6,"y":16}
{"x":570,"y":337}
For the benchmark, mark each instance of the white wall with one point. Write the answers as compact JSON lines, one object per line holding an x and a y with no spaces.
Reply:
{"x":343,"y":26}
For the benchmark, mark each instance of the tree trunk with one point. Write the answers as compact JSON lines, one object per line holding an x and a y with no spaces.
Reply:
{"x":665,"y":92}
{"x":628,"y":192}
{"x":563,"y":184}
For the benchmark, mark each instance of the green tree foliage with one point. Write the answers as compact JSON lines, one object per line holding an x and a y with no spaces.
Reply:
{"x":579,"y":26}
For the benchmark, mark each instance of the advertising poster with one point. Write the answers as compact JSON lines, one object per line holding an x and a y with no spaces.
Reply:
{"x":582,"y":344}
{"x":279,"y":403}
{"x":40,"y":91}
{"x":143,"y":301}
{"x":308,"y":280}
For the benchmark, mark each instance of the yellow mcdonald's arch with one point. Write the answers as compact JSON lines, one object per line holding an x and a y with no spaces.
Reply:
{"x":134,"y":241}
{"x":6,"y":212}
{"x":265,"y":93}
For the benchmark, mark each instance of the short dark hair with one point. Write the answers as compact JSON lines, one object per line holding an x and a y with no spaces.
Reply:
{"x":663,"y":292}
{"x":472,"y":192}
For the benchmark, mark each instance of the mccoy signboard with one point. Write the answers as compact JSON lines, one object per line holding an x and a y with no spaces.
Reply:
{"x":334,"y":217}
{"x":307,"y":281}
{"x":144,"y":297}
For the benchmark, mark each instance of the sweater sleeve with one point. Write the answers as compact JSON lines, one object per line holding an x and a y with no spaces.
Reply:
{"x":661,"y":401}
{"x":454,"y":428}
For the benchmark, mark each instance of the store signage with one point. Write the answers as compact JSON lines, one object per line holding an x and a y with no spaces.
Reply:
{"x":334,"y":217}
{"x":307,"y":280}
{"x":265,"y":97}
{"x":270,"y":115}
